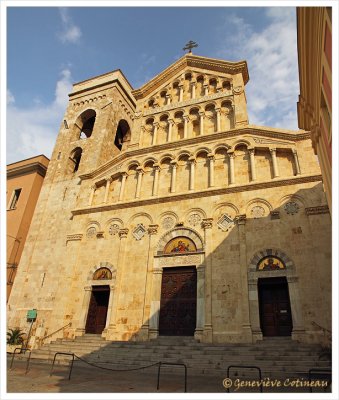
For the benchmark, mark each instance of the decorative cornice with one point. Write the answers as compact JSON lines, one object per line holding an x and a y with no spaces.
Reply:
{"x":75,"y":237}
{"x":317,"y":210}
{"x":248,"y":130}
{"x":203,"y":193}
{"x":35,"y":167}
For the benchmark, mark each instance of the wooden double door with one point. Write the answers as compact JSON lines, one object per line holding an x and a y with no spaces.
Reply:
{"x":178,"y":305}
{"x":97,"y":311}
{"x":274,"y":307}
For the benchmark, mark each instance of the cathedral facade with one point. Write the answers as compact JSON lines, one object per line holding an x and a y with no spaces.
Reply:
{"x":164,"y":212}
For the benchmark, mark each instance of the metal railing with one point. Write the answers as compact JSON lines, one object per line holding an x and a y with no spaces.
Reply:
{"x":324,"y":374}
{"x":41,"y":340}
{"x":168,"y":363}
{"x":71,"y":365}
{"x":19,"y":352}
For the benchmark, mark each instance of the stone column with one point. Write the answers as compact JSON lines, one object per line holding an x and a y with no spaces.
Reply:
{"x":122,"y":187}
{"x":252,"y":164}
{"x":186,"y":119}
{"x":173,"y":176}
{"x":91,"y":195}
{"x":218,"y":112}
{"x":198,"y":333}
{"x":201,"y":125}
{"x":211,"y":170}
{"x":275,"y":164}
{"x":155,"y":303}
{"x":110,"y":305}
{"x":168,"y":99}
{"x":108,"y":182}
{"x":243,"y":268}
{"x":296,"y":161}
{"x":231,"y":156}
{"x":208,"y":328}
{"x":144,"y":331}
{"x":140,"y":173}
{"x":192,"y":173}
{"x":170,"y":126}
{"x":156,"y":179}
{"x":193,"y":86}
{"x":84,"y":311}
{"x":155,"y":133}
{"x":205,"y":89}
{"x":181,"y":93}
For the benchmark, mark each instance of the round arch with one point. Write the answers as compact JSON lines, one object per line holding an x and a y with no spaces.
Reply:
{"x":177,"y":232}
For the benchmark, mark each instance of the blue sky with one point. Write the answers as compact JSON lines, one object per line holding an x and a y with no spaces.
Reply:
{"x":49,"y":48}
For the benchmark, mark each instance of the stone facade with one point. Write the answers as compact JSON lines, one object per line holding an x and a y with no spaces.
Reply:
{"x":134,"y":169}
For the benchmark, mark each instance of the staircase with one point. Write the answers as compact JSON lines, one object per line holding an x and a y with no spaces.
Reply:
{"x":279,"y":358}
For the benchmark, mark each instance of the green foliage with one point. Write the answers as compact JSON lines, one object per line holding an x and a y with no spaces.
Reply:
{"x":15,"y":336}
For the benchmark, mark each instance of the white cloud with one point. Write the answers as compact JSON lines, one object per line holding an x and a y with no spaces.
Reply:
{"x":70,"y":32}
{"x":271,"y":55}
{"x":32,"y":131}
{"x":10,"y":97}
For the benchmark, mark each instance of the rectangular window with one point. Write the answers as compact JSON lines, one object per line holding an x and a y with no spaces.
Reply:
{"x":14,"y":199}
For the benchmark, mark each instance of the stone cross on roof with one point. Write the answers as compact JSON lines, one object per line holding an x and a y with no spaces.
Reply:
{"x":189,"y":46}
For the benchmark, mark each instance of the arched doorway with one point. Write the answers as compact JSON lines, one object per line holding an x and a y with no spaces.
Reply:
{"x":178,"y":284}
{"x":274,"y":303}
{"x":99,"y":302}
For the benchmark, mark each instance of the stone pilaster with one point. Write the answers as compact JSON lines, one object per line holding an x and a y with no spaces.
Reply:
{"x":144,"y":331}
{"x":155,"y":303}
{"x":208,"y":327}
{"x":245,"y":310}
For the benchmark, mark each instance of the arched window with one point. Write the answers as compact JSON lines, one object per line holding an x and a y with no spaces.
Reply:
{"x":85,"y":124}
{"x":74,"y":159}
{"x":123,"y":134}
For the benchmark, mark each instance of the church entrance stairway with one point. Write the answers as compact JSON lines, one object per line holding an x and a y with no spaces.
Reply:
{"x":278,"y":358}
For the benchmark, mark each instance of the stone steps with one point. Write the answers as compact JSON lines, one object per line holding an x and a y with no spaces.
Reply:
{"x":277,"y":358}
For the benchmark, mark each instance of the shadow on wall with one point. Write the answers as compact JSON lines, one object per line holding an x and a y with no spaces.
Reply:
{"x":281,"y":245}
{"x":225,"y":295}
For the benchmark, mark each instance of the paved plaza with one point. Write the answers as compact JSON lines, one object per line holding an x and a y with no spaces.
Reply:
{"x":87,"y":379}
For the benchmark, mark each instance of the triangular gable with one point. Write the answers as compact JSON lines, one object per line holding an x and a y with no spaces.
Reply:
{"x":192,"y":61}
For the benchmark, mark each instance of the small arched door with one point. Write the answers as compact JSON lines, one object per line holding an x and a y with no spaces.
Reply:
{"x":274,"y":307}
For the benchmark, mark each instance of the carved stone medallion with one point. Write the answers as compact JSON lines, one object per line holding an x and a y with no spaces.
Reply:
{"x":194,"y":219}
{"x":257,"y":212}
{"x":168,"y":223}
{"x":113,"y":229}
{"x":291,"y":208}
{"x":91,"y":232}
